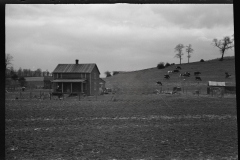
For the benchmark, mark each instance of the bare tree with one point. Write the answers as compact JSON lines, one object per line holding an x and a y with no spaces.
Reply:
{"x":8,"y":61}
{"x":25,"y":72}
{"x":179,"y":49}
{"x":224,"y":44}
{"x":38,"y":72}
{"x":189,"y":50}
{"x":20,"y":72}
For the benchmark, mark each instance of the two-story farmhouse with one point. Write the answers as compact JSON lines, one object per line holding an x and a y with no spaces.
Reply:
{"x":76,"y":78}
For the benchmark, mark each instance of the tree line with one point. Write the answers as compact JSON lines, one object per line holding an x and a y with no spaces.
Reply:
{"x":11,"y":72}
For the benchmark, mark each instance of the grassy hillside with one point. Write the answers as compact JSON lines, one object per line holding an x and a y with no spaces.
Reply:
{"x":143,"y":81}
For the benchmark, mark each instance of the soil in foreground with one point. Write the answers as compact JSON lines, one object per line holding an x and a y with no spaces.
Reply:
{"x":166,"y":127}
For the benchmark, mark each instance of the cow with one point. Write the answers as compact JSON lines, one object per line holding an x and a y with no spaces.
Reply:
{"x":198,"y":79}
{"x":175,"y":71}
{"x":178,"y":67}
{"x":227,"y":75}
{"x":159,"y":83}
{"x":169,"y":72}
{"x":184,"y":75}
{"x":187,"y":73}
{"x":197,"y":73}
{"x":166,"y":76}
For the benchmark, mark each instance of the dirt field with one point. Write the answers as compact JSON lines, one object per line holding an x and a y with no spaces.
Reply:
{"x":129,"y":127}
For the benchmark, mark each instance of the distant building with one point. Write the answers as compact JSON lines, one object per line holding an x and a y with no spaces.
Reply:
{"x":221,"y":86}
{"x":101,"y":83}
{"x":47,"y":82}
{"x":35,"y":82}
{"x":76,"y":78}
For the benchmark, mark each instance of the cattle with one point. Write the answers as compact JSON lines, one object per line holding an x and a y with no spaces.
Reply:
{"x":184,"y":75}
{"x":166,"y":76}
{"x":227,"y":75}
{"x":169,"y":72}
{"x":58,"y":94}
{"x":175,"y":71}
{"x":159,"y":83}
{"x":178,"y":67}
{"x":187,"y":73}
{"x":197,"y":73}
{"x":198,"y":79}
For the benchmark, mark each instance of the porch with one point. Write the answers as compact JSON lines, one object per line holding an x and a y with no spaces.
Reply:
{"x":69,"y":86}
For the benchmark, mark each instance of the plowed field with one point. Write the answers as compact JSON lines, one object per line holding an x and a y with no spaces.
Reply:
{"x":142,"y":127}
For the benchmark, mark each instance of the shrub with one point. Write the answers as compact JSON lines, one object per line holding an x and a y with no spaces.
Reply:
{"x":173,"y":64}
{"x":167,"y":64}
{"x":115,"y":72}
{"x":160,"y":65}
{"x":108,"y":74}
{"x":201,"y":60}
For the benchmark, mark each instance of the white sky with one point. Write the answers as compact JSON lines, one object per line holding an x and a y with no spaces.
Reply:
{"x":117,"y":37}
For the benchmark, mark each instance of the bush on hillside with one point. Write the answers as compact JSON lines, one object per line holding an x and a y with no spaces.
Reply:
{"x":167,"y":64}
{"x":201,"y":60}
{"x":115,"y":72}
{"x":108,"y":74}
{"x":160,"y":65}
{"x":173,"y":64}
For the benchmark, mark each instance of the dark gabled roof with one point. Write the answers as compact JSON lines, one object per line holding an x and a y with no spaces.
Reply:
{"x":28,"y":79}
{"x":48,"y":78}
{"x":69,"y":80}
{"x":75,"y":68}
{"x":100,"y":79}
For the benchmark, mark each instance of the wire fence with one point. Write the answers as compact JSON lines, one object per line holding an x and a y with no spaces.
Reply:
{"x":118,"y":93}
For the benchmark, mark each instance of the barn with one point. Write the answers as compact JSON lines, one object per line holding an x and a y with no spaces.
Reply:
{"x":76,"y":78}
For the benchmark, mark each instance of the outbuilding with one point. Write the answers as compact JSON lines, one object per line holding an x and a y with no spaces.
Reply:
{"x":35,"y":82}
{"x":213,"y":86}
{"x":76,"y":78}
{"x":47,"y":82}
{"x":101,"y":83}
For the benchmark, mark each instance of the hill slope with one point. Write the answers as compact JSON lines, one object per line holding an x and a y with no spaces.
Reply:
{"x":143,"y":81}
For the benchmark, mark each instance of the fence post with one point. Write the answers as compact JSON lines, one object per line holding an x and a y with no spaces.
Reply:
{"x":79,"y":96}
{"x":30,"y":94}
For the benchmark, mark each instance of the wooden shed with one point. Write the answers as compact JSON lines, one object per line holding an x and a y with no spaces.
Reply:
{"x":76,"y":78}
{"x":212,"y":85}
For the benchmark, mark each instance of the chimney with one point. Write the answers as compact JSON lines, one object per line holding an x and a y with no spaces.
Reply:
{"x":76,"y":61}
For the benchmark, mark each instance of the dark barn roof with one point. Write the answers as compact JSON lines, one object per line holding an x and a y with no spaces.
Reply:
{"x":69,"y":80}
{"x":48,"y":78}
{"x":75,"y":68}
{"x":100,"y":79}
{"x":34,"y":79}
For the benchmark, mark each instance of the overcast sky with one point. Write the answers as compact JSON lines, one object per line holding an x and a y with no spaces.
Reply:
{"x":117,"y":37}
